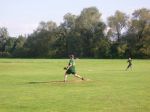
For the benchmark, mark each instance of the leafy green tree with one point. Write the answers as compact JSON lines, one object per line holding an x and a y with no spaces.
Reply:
{"x":39,"y":43}
{"x":102,"y":48}
{"x":3,"y":38}
{"x":10,"y":44}
{"x":122,"y":50}
{"x":88,"y":24}
{"x":18,"y":49}
{"x":117,"y":24}
{"x":70,"y":34}
{"x":69,"y":21}
{"x":138,"y":33}
{"x":47,"y":26}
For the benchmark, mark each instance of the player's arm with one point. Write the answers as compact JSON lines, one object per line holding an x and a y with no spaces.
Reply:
{"x":69,"y":66}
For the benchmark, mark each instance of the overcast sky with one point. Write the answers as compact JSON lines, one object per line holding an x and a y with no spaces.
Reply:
{"x":23,"y":16}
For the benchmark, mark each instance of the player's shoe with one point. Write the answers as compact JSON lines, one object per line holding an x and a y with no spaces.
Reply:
{"x":82,"y":78}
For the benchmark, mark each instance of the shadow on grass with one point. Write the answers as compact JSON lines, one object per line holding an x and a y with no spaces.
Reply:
{"x":41,"y":82}
{"x":60,"y":81}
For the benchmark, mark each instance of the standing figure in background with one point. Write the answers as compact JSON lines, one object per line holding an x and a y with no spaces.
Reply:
{"x":130,"y":64}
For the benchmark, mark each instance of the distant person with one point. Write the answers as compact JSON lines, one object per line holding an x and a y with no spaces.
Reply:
{"x":70,"y":69}
{"x":129,"y":64}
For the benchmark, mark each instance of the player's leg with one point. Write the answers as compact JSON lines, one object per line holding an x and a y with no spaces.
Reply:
{"x":65,"y":77}
{"x":131,"y":66}
{"x":127,"y":67}
{"x":78,"y":76}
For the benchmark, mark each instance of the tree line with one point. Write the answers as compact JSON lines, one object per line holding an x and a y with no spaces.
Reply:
{"x":85,"y":36}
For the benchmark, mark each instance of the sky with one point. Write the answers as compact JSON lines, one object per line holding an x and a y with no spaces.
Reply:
{"x":21,"y":17}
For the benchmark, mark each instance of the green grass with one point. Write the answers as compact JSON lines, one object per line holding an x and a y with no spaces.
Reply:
{"x":34,"y":85}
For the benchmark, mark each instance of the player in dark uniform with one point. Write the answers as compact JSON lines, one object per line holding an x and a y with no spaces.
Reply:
{"x":130,"y":64}
{"x":70,"y":69}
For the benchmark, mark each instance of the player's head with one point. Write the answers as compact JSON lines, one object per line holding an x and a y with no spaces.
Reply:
{"x":71,"y":56}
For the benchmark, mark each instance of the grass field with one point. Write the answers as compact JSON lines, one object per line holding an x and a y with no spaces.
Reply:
{"x":35,"y":85}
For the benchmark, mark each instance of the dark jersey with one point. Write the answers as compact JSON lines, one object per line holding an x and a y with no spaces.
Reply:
{"x":130,"y":62}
